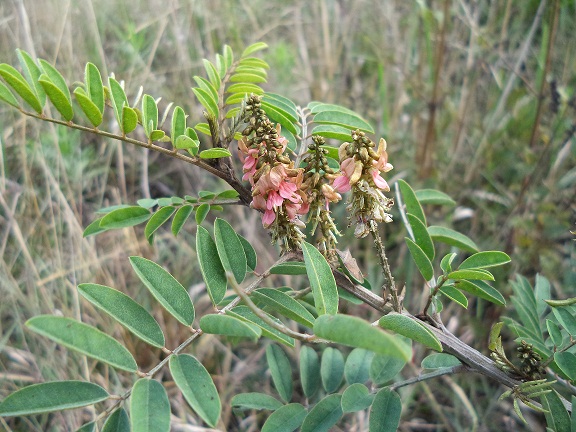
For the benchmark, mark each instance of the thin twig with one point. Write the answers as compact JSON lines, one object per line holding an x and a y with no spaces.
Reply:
{"x":437,"y":373}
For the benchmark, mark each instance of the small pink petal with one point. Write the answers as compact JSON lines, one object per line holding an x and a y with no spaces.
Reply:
{"x":341,"y":184}
{"x":379,"y":181}
{"x":258,"y":202}
{"x":347,"y":167}
{"x":268,"y":218}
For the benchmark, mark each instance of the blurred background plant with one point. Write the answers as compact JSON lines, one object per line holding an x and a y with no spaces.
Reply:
{"x":474,"y":99}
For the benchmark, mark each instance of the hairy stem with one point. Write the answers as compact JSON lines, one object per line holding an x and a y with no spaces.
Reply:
{"x":389,"y":286}
{"x":226,"y":175}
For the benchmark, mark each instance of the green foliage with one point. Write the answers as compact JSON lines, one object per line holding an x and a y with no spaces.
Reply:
{"x":52,"y":396}
{"x":85,"y":339}
{"x":149,"y":407}
{"x":197,"y":386}
{"x":125,"y":310}
{"x":165,"y":288}
{"x":377,"y":357}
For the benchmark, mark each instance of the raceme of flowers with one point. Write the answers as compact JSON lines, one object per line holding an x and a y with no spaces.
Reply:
{"x":284,"y":193}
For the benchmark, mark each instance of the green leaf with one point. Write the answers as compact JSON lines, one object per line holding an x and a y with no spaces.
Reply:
{"x":118,"y":99}
{"x":385,"y":412}
{"x":210,"y":265}
{"x":573,"y":416}
{"x":279,"y":116}
{"x":454,"y":294}
{"x":157,"y":220}
{"x":411,"y":202}
{"x":91,"y":427}
{"x":185,"y":142}
{"x":207,"y":86}
{"x":470,"y":275}
{"x":355,"y":398}
{"x":118,"y":421}
{"x":284,"y":304}
{"x":281,"y":103}
{"x":384,"y":368}
{"x":229,"y":326}
{"x":180,"y":218}
{"x":421,"y":259}
{"x":244,"y":313}
{"x":421,"y":236}
{"x":214,"y":153}
{"x":197,"y":386}
{"x":88,"y":107}
{"x":280,"y":370}
{"x":566,"y":361}
{"x":245,"y":88}
{"x":343,"y":119}
{"x":331,"y":369}
{"x":452,"y":238}
{"x":85,"y":339}
{"x":149,"y":407}
{"x":230,"y":249}
{"x":57,"y":97}
{"x":446,"y":263}
{"x":124,"y":310}
{"x":246,"y":77}
{"x":357,"y":366}
{"x":257,"y":401}
{"x":55,"y":78}
{"x":541,"y":294}
{"x":203,"y":128}
{"x":51,"y":396}
{"x":554,"y":332}
{"x":94,"y":86}
{"x":147,"y":203}
{"x":481,"y":289}
{"x":440,"y":360}
{"x":309,"y":371}
{"x":7,"y":96}
{"x":285,"y":419}
{"x":149,"y":114}
{"x":339,"y":133}
{"x":557,"y":418}
{"x":251,"y":49}
{"x":167,"y":290}
{"x":355,"y":332}
{"x":321,"y":280}
{"x":251,"y":257}
{"x":15,"y":80}
{"x":178,"y":123}
{"x":94,"y":228}
{"x":228,"y":56}
{"x":32,"y":72}
{"x":410,"y":328}
{"x":253,"y":62}
{"x":201,"y":213}
{"x":566,"y":319}
{"x":129,"y":119}
{"x":60,"y":99}
{"x":560,"y":303}
{"x":432,"y":196}
{"x":206,"y":100}
{"x":485,"y":259}
{"x":212,"y":73}
{"x":289,"y":268}
{"x":323,"y":415}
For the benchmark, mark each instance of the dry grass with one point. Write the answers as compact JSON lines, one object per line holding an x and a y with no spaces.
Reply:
{"x":465,"y":104}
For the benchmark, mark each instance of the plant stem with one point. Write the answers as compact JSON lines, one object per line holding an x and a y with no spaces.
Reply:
{"x":245,"y":194}
{"x":389,"y":286}
{"x":437,"y":373}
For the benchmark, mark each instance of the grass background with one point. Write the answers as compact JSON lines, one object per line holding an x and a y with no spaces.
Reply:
{"x":474,"y":98}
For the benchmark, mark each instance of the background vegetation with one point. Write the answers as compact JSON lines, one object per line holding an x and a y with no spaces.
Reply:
{"x":474,"y":98}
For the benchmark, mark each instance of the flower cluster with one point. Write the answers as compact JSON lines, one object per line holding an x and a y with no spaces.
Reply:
{"x":360,"y":168}
{"x":317,"y":178}
{"x":276,"y":184}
